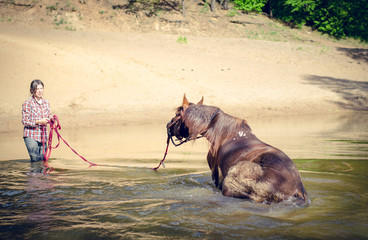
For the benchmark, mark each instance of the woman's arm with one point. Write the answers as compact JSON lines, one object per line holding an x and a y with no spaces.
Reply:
{"x":27,"y":119}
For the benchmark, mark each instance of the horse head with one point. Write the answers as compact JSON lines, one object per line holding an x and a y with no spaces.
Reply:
{"x":179,"y":126}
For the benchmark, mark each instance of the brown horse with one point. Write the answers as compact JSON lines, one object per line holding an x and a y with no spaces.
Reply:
{"x":242,"y":165}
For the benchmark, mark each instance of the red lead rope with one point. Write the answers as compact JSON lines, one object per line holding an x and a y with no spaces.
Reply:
{"x":55,"y":127}
{"x":163,"y":159}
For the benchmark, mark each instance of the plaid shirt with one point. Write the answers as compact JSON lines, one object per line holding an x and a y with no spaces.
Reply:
{"x":32,"y":111}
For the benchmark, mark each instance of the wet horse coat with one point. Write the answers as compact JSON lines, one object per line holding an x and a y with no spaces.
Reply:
{"x":242,"y":165}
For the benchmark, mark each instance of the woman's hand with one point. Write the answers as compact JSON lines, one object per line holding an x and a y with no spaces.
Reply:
{"x":43,"y":121}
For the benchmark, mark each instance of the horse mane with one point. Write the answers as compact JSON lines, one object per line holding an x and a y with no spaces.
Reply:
{"x":212,"y":123}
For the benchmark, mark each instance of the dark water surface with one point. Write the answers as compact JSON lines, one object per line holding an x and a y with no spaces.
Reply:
{"x":125,"y":199}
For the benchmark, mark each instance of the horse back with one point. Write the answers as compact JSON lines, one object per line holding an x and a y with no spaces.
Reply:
{"x":257,"y":168}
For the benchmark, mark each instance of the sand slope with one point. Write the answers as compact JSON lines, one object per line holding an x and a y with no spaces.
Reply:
{"x":96,"y":78}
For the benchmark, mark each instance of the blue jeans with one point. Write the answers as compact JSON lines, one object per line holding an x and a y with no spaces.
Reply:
{"x":35,"y":149}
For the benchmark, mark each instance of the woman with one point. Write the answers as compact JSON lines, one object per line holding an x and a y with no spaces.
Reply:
{"x":36,"y":114}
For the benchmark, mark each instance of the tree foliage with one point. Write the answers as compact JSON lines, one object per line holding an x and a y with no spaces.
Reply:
{"x":338,"y":18}
{"x":250,"y":5}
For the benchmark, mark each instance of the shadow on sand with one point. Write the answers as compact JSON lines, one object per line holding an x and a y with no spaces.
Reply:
{"x":358,"y":54}
{"x":353,"y":93}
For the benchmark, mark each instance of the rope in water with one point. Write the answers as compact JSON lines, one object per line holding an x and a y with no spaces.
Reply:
{"x":55,"y":127}
{"x":163,"y":159}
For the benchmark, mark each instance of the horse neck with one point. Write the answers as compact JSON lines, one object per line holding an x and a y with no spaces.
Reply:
{"x":224,"y":128}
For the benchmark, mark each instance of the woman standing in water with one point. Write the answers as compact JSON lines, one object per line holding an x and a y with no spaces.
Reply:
{"x":36,"y":114}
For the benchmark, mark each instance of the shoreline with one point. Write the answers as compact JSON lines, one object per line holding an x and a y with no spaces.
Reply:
{"x":148,"y":141}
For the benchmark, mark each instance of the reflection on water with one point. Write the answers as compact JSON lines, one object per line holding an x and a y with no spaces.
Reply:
{"x":125,"y":199}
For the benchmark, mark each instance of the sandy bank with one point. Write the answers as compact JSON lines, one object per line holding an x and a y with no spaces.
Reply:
{"x":95,"y":78}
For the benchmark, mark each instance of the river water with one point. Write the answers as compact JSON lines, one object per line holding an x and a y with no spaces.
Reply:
{"x":123,"y":198}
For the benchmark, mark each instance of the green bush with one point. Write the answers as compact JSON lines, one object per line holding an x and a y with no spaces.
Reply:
{"x":338,"y":18}
{"x":250,"y":5}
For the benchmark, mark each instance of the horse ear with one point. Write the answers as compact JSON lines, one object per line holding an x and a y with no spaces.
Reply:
{"x":185,"y":103}
{"x":200,"y":102}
